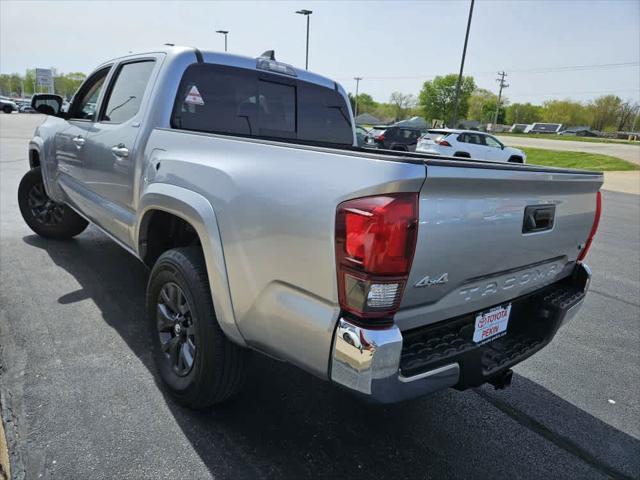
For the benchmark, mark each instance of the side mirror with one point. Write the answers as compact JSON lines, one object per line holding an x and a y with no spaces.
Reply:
{"x":47,"y":104}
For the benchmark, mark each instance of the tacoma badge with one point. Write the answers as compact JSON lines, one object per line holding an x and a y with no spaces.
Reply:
{"x":429,"y":282}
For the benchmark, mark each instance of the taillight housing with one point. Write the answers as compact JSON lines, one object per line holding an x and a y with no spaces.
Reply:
{"x":379,"y":138}
{"x":443,"y":143}
{"x":594,"y":228}
{"x":375,"y":243}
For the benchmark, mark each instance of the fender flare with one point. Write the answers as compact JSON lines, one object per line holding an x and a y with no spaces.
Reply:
{"x":199,"y":213}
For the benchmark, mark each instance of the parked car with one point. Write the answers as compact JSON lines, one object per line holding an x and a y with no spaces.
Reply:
{"x":579,"y":132}
{"x":7,"y":105}
{"x":238,"y":182}
{"x":394,"y":138}
{"x":468,"y":144}
{"x":361,"y":135}
{"x":26,"y":109}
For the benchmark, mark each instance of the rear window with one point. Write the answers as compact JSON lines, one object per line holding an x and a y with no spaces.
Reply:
{"x":220,"y":99}
{"x":436,"y":136}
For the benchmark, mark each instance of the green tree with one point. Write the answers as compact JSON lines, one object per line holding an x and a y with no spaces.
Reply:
{"x":523,"y":113}
{"x":567,"y":112}
{"x":402,"y":104}
{"x":437,"y":97}
{"x":482,"y":106}
{"x":366,"y":103}
{"x":67,"y":84}
{"x":605,"y":111}
{"x":627,"y":114}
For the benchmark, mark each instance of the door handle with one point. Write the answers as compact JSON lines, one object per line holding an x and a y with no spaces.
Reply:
{"x":120,"y":151}
{"x":79,"y":141}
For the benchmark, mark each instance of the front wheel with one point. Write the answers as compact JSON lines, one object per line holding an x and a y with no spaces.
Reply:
{"x":44,"y":216}
{"x":196,"y":361}
{"x":7,"y":109}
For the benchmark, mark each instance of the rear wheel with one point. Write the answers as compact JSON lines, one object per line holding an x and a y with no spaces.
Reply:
{"x":196,"y":361}
{"x":7,"y":109}
{"x":44,"y":216}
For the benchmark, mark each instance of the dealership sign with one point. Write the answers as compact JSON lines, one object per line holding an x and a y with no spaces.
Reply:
{"x":44,"y":77}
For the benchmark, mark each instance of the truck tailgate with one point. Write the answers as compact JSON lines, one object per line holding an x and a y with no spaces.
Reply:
{"x":475,"y":249}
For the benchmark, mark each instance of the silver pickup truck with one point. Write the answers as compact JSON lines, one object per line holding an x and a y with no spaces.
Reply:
{"x":239,"y":183}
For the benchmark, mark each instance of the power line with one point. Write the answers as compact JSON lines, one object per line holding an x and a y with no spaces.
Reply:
{"x":568,"y":68}
{"x":574,"y":92}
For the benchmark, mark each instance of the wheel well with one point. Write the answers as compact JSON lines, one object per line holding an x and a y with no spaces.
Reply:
{"x":462,"y":155}
{"x":515,"y":159}
{"x":34,"y":158}
{"x":162,"y":231}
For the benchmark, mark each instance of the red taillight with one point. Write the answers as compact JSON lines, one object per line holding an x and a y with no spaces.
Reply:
{"x":594,"y":228}
{"x":443,"y":143}
{"x":379,"y":138}
{"x":375,"y":242}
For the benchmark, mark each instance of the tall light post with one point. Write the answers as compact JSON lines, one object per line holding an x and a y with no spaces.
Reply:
{"x":357,"y":79}
{"x":454,"y":118}
{"x":225,"y":33}
{"x":306,"y":13}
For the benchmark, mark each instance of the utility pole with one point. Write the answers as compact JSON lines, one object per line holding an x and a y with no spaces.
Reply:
{"x":357,"y":79}
{"x":306,"y":13}
{"x":454,"y":118}
{"x":502,"y":84}
{"x":225,"y":33}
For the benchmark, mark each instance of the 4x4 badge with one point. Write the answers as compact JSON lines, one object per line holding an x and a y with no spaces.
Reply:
{"x":428,"y":281}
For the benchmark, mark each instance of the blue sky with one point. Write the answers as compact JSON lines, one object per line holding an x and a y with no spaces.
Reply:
{"x":393,"y":45}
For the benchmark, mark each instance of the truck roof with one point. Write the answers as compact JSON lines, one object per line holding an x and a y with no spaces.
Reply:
{"x":232,"y":60}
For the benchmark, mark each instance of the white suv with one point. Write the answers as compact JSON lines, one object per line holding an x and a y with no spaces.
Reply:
{"x":468,"y":144}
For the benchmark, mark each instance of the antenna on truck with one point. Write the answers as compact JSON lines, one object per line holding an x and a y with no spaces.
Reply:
{"x":270,"y":54}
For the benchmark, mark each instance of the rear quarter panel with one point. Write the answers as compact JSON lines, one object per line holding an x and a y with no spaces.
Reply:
{"x":275,"y":205}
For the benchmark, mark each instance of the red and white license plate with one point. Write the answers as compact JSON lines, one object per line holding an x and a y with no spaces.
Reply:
{"x":492,"y":324}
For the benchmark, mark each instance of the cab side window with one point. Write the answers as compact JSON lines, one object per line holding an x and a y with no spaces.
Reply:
{"x":85,"y":101}
{"x":125,"y":96}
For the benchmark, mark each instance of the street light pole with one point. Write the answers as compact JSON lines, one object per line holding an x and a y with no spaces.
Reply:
{"x":306,"y":13}
{"x":454,"y":118}
{"x":357,"y":79}
{"x":225,"y":33}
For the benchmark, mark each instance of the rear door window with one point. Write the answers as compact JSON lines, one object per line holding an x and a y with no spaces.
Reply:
{"x":474,"y":138}
{"x":229,"y":100}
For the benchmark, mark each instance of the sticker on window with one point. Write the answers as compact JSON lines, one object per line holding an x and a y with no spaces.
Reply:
{"x":194,"y":97}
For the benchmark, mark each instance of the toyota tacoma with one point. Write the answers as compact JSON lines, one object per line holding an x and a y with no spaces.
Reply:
{"x":239,"y":183}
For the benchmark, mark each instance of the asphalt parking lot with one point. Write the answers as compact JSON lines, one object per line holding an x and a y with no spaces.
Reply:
{"x":81,"y":399}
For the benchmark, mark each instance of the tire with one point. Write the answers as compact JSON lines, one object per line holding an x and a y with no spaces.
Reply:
{"x":44,"y":216}
{"x":7,"y":109}
{"x":216,"y":370}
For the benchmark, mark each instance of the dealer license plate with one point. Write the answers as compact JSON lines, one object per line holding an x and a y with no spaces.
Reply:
{"x":491,"y":324}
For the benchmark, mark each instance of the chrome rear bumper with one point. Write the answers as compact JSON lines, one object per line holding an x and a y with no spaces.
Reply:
{"x":367,"y":361}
